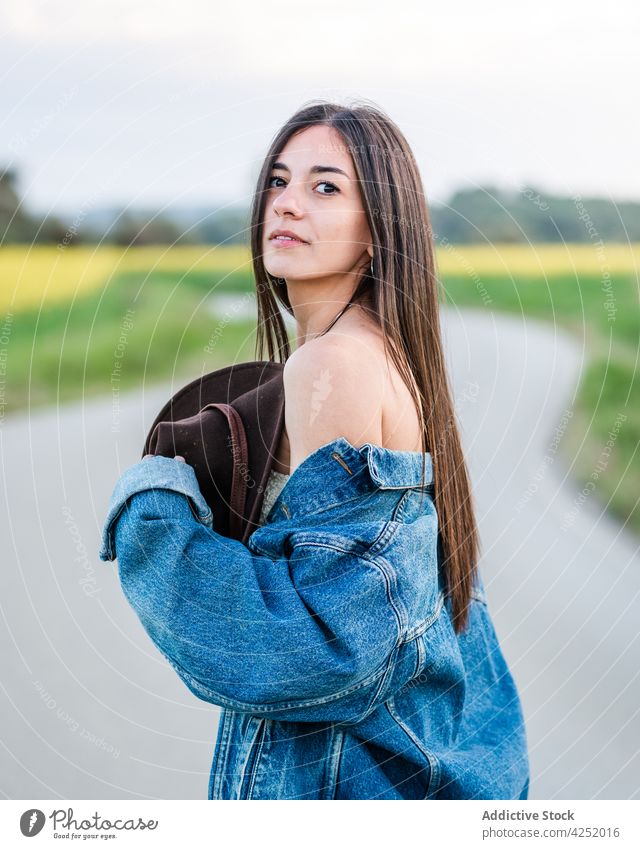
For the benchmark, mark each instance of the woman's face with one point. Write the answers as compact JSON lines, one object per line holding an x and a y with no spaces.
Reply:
{"x":324,"y":208}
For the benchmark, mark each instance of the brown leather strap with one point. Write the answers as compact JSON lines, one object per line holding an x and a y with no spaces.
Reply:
{"x":240,"y":453}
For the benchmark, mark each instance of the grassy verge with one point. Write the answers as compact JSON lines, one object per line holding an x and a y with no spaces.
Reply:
{"x":140,"y":328}
{"x":601,"y":441}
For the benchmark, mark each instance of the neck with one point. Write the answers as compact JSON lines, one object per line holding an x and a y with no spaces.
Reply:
{"x":315,"y":308}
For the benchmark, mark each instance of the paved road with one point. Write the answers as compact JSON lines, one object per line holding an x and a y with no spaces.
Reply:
{"x":92,"y":711}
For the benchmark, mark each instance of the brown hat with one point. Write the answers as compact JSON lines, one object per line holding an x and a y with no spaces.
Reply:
{"x":226,"y":424}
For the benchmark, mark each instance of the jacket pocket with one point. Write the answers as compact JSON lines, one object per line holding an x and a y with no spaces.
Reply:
{"x":251,"y":763}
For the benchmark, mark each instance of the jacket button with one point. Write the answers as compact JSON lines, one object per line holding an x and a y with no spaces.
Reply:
{"x":285,"y":510}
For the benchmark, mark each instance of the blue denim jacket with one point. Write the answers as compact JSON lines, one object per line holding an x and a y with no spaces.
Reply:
{"x":326,"y":639}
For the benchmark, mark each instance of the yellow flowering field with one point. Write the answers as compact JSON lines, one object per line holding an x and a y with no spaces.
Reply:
{"x":31,"y":276}
{"x":543,"y":259}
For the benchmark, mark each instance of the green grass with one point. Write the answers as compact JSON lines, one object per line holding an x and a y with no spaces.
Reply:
{"x":139,"y":328}
{"x":608,"y":400}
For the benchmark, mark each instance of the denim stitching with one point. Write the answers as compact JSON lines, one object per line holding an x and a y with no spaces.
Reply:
{"x":434,"y":765}
{"x":400,"y":507}
{"x":221,"y":756}
{"x":425,"y":624}
{"x":422,"y":654}
{"x":396,"y":603}
{"x":334,"y":757}
{"x":250,"y":751}
{"x":391,"y":664}
{"x":247,"y":707}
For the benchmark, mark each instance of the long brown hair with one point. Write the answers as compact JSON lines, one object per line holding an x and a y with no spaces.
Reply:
{"x":402,"y":296}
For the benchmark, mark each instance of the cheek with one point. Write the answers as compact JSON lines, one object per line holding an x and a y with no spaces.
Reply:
{"x":345,"y":232}
{"x":339,"y":251}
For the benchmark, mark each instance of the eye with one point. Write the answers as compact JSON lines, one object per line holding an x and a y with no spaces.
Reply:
{"x":321,"y":183}
{"x":325,"y":183}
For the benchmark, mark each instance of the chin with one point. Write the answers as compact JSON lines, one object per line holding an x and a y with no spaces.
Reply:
{"x":281,"y":267}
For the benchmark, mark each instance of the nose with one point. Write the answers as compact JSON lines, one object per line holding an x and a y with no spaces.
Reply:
{"x":288,"y":201}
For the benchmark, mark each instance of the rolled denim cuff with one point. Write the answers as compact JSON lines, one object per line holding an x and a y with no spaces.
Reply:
{"x":156,"y":472}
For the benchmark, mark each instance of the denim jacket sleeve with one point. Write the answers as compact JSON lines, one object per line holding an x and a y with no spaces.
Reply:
{"x":308,"y":632}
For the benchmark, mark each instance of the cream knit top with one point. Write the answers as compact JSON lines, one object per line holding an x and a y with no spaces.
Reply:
{"x":275,"y":482}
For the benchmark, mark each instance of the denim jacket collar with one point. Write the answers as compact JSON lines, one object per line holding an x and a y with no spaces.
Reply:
{"x":338,"y":471}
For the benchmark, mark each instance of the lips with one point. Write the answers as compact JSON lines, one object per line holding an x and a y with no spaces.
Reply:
{"x":281,"y":244}
{"x":286,"y":236}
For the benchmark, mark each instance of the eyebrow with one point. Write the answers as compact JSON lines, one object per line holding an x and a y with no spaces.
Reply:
{"x":315,"y":169}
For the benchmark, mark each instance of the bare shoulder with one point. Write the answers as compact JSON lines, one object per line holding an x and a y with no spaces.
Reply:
{"x":334,"y":386}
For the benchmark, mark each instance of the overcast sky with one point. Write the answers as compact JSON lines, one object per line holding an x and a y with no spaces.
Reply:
{"x":151,"y":103}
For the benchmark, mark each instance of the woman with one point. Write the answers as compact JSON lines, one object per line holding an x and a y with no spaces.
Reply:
{"x":349,"y":642}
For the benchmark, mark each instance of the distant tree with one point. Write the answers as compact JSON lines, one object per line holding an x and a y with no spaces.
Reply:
{"x":135,"y":229}
{"x":529,"y":214}
{"x":228,"y":226}
{"x":15,"y":223}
